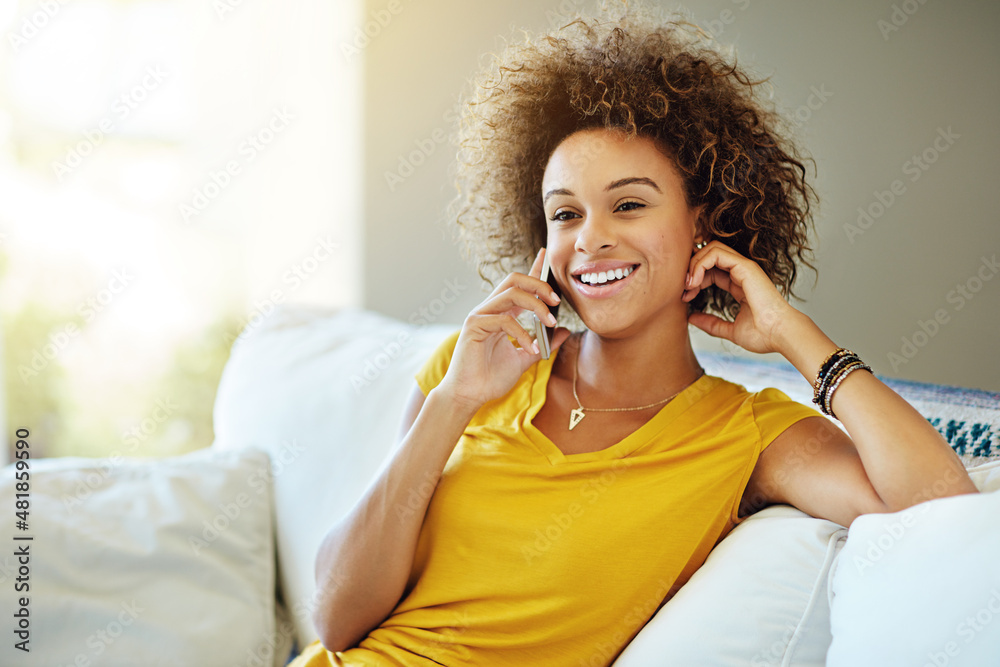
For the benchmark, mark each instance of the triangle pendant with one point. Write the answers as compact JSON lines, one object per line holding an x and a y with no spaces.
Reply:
{"x":575,"y":417}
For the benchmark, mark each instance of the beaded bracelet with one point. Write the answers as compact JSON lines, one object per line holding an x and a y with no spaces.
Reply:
{"x":841,"y":363}
{"x":834,"y":371}
{"x":828,"y":398}
{"x":837,"y":354}
{"x":836,"y":359}
{"x":833,"y":363}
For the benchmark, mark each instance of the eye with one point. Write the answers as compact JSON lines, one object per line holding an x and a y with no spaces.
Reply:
{"x":560,"y":216}
{"x":628,"y":206}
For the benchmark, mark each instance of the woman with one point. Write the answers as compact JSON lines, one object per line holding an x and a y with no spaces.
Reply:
{"x":563,"y":500}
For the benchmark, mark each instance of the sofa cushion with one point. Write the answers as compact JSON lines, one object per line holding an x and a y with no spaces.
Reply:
{"x":143,"y":562}
{"x":921,"y":586}
{"x":760,"y":599}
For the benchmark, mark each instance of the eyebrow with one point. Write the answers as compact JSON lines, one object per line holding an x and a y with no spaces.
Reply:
{"x":637,"y":180}
{"x":620,"y":183}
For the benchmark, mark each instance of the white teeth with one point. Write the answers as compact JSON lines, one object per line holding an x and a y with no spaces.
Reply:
{"x":604,"y":276}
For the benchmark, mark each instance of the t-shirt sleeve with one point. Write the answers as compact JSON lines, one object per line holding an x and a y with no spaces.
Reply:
{"x":434,"y":369}
{"x":774,"y":412}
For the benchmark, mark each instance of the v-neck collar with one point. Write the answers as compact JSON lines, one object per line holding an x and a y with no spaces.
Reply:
{"x":622,"y":448}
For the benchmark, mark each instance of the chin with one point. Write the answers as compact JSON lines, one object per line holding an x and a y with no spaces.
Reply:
{"x":608,"y":325}
{"x":618,"y":325}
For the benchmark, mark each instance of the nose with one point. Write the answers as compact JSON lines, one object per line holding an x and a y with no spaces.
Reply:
{"x":595,"y":234}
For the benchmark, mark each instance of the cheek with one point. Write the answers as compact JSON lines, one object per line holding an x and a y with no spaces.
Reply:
{"x":672,"y":257}
{"x":560,"y":251}
{"x":672,"y":249}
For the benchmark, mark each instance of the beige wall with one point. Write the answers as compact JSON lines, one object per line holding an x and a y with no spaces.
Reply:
{"x":871,"y":97}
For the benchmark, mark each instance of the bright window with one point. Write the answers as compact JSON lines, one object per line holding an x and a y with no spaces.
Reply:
{"x":169,"y":171}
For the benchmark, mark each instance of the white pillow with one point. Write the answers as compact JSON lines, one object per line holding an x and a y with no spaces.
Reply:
{"x":323,"y":393}
{"x":922,"y":586}
{"x":986,"y":477}
{"x":760,"y":599}
{"x":142,"y":562}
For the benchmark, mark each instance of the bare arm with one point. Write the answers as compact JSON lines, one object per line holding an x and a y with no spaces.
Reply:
{"x":905,"y":459}
{"x":365,"y":559}
{"x":889,"y":459}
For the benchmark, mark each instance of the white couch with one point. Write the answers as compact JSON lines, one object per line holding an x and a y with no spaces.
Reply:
{"x":207,"y":559}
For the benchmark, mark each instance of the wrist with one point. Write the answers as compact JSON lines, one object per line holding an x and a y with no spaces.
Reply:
{"x":788,"y":333}
{"x":803,"y":344}
{"x":459,"y":406}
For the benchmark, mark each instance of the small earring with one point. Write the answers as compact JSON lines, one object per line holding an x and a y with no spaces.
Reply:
{"x":700,"y":245}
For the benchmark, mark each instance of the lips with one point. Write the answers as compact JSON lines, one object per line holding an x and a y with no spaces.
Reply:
{"x":602,"y":277}
{"x":608,"y":288}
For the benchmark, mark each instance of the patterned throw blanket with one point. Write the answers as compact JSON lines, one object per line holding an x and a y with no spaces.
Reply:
{"x":969,"y":419}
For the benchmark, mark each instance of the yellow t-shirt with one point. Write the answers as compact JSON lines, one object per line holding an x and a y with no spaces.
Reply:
{"x":528,"y":556}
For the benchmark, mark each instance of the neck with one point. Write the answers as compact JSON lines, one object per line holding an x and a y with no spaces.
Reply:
{"x":636,"y":370}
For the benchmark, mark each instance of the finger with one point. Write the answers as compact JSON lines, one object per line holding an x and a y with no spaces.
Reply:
{"x":530,"y":287}
{"x":712,"y":325}
{"x":548,"y":294}
{"x":534,"y":271}
{"x":731,"y":271}
{"x":515,"y":300}
{"x":714,"y":255}
{"x":529,"y":283}
{"x":536,"y":266}
{"x":716,"y":277}
{"x":490,"y":324}
{"x":698,"y":255}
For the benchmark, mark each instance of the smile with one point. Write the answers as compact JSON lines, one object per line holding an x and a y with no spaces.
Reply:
{"x":604,"y":283}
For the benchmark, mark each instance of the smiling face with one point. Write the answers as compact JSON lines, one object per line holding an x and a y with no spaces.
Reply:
{"x":620,"y":231}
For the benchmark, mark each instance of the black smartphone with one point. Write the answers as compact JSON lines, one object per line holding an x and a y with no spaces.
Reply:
{"x":543,"y":333}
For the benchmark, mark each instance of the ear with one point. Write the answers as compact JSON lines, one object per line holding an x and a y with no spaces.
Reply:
{"x":701,"y":236}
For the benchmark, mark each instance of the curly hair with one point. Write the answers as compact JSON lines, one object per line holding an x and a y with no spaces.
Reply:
{"x":643,"y":76}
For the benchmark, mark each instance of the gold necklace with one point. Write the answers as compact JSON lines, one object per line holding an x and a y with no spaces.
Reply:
{"x":577,"y":415}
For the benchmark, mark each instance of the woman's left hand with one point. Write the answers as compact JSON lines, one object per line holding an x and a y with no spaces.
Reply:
{"x":762,"y":308}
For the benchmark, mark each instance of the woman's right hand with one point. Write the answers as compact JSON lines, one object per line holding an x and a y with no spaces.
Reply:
{"x":486,"y":364}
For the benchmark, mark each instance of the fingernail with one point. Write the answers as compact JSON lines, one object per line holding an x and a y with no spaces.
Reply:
{"x":558,"y":299}
{"x":534,"y":346}
{"x":552,"y":319}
